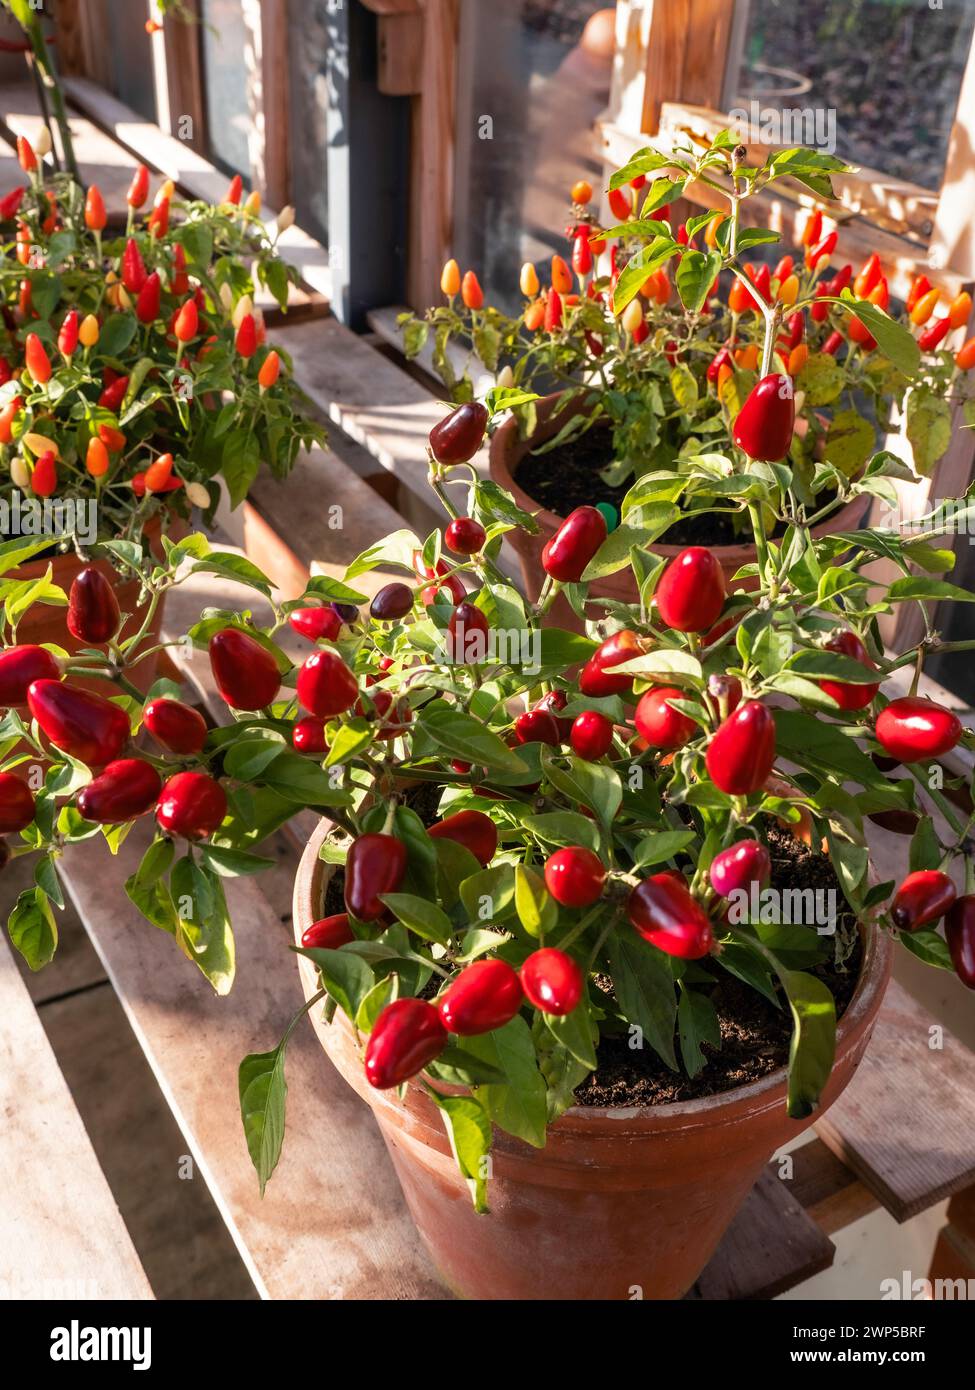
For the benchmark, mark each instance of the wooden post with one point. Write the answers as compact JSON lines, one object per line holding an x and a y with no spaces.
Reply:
{"x":179,"y":92}
{"x":432,"y":156}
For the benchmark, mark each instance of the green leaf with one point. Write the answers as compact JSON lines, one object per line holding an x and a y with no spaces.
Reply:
{"x":236,"y":567}
{"x":894,"y":341}
{"x":469,"y":1131}
{"x":420,"y":916}
{"x":247,"y":758}
{"x":117,"y":333}
{"x":563,"y":828}
{"x":32,"y":928}
{"x":263,"y":1092}
{"x":658,"y":847}
{"x":299,"y":779}
{"x":463,"y":736}
{"x":697,"y":1023}
{"x":928,"y":427}
{"x":696,"y":272}
{"x":925,"y":846}
{"x":595,"y":785}
{"x":849,"y":441}
{"x":518,"y":1107}
{"x":821,"y":379}
{"x":638,"y":267}
{"x":536,"y":908}
{"x":492,"y":888}
{"x":233,"y":863}
{"x":204,"y":931}
{"x":645,"y":991}
{"x":928,"y":946}
{"x":345,"y":975}
{"x":574,"y":1031}
{"x":813,"y":1046}
{"x":373,"y":1003}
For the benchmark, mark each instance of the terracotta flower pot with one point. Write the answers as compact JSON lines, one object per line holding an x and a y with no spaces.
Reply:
{"x":506,"y":453}
{"x":618,"y":1198}
{"x":46,"y":623}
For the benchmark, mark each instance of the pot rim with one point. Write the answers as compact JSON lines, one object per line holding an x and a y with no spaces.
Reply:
{"x":71,"y":560}
{"x":755,"y":1096}
{"x":501,"y":446}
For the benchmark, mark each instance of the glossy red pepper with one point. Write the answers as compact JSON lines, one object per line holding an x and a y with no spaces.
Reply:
{"x":87,"y":726}
{"x":554,"y":702}
{"x":552,"y":981}
{"x":246,"y":673}
{"x":179,"y":281}
{"x":813,"y":228}
{"x":591,"y":735}
{"x":186,"y":325}
{"x":38,"y":362}
{"x":620,"y":204}
{"x":178,"y":727}
{"x":924,"y":897}
{"x":234,"y":190}
{"x":375,"y":864}
{"x":662,"y":726}
{"x":920,"y":287}
{"x":765,"y":424}
{"x":960,"y":935}
{"x":934,"y":334}
{"x":596,"y":678}
{"x":574,"y":544}
{"x":581,"y":256}
{"x":329,"y":933}
{"x":847,"y":695}
{"x":472,"y":829}
{"x":465,"y":536}
{"x":822,"y":249}
{"x":25,"y":154}
{"x":458,"y":436}
{"x":44,"y":479}
{"x":868,"y":278}
{"x":191,"y":804}
{"x":664,"y":913}
{"x":736,"y":868}
{"x":742,"y":751}
{"x":93,"y":611}
{"x":16,"y":804}
{"x":392,"y":715}
{"x":833,"y":344}
{"x":538,"y":726}
{"x":484,"y":996}
{"x":468,"y":635}
{"x":913,"y":729}
{"x":134,"y":273}
{"x":326,"y":686}
{"x":246,"y":340}
{"x":316,"y":623}
{"x":762,"y":281}
{"x":10,"y":203}
{"x":393,"y":601}
{"x":126,"y":789}
{"x":796,"y":324}
{"x":740,"y":299}
{"x":149,"y":299}
{"x":68,"y":334}
{"x":138,"y":188}
{"x":691,"y":592}
{"x":308,"y":735}
{"x":406,"y":1037}
{"x":114,"y":393}
{"x":575,"y":876}
{"x":20,"y":667}
{"x":722,"y":358}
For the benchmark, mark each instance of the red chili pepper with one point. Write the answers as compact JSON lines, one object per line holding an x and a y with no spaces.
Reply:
{"x":10,"y":203}
{"x":813,"y":228}
{"x":125,"y":790}
{"x":93,"y":612}
{"x":833,"y":344}
{"x":574,"y":544}
{"x":763,"y":284}
{"x":16,"y":804}
{"x":483,"y":997}
{"x":472,"y":829}
{"x":468,"y":635}
{"x":328,"y":934}
{"x":923,"y":897}
{"x":246,"y":673}
{"x":138,"y":188}
{"x":823,"y":249}
{"x":180,"y":282}
{"x":159,"y":474}
{"x":178,"y":727}
{"x":931,"y":337}
{"x":25,"y":154}
{"x":664,"y":913}
{"x":920,"y":287}
{"x":591,"y":735}
{"x":721,"y":358}
{"x":552,"y":981}
{"x":246,"y":341}
{"x":741,"y":753}
{"x":765,"y":424}
{"x":134,"y":274}
{"x":95,"y":214}
{"x":582,"y":257}
{"x":784,"y":269}
{"x":960,"y":935}
{"x":191,"y":804}
{"x":796,"y":324}
{"x":405,"y":1038}
{"x":538,"y":726}
{"x":913,"y":729}
{"x":575,"y":876}
{"x":596,"y":678}
{"x":234,"y":191}
{"x":326,"y":686}
{"x":148,"y":301}
{"x":308,"y":735}
{"x":662,"y":726}
{"x":19,"y":667}
{"x":736,"y":868}
{"x":465,"y":536}
{"x":868,"y":278}
{"x":87,"y":726}
{"x":457,"y":437}
{"x":847,"y":695}
{"x":114,"y":394}
{"x":691,"y":591}
{"x":38,"y":362}
{"x":186,"y":325}
{"x":553,"y":311}
{"x":315,"y":623}
{"x":44,"y":478}
{"x":740,"y":299}
{"x":620,"y":204}
{"x":375,"y":864}
{"x":964,"y":359}
{"x":158,"y":223}
{"x":68,"y":336}
{"x":113,"y":439}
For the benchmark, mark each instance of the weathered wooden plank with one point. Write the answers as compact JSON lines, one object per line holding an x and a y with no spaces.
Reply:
{"x":332,"y":1223}
{"x":953,"y":238}
{"x":384,"y":323}
{"x":61,"y":1235}
{"x":771,"y":1246}
{"x":829,"y":1191}
{"x":905,"y":1122}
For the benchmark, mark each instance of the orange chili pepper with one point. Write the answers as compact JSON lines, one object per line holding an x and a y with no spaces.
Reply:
{"x":798,"y":358}
{"x":961,"y":310}
{"x":924,"y":307}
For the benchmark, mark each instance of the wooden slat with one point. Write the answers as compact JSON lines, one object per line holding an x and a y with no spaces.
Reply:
{"x":829,"y":1192}
{"x":61,"y":1235}
{"x":183,"y":67}
{"x":953,"y":238}
{"x":384,"y":323}
{"x":905,"y":1122}
{"x":83,"y":47}
{"x":771,"y":1246}
{"x":432,"y":153}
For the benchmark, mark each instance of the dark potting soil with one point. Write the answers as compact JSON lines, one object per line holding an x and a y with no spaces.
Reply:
{"x":755,"y":1036}
{"x":568,"y":477}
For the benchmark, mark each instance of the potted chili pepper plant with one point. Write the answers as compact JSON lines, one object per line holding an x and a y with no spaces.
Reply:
{"x":135,"y":380}
{"x":561,"y":879}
